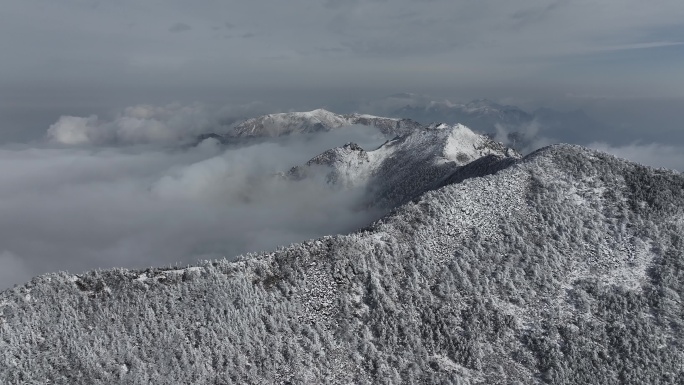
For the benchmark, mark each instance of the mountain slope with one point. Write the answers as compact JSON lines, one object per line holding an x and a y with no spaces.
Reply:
{"x":409,"y":165}
{"x":565,"y":267}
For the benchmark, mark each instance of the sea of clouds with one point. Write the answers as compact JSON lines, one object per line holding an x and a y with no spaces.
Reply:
{"x":137,"y":191}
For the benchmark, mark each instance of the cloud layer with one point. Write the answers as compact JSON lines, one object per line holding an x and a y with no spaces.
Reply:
{"x":78,"y":208}
{"x":146,"y":124}
{"x":652,"y":154}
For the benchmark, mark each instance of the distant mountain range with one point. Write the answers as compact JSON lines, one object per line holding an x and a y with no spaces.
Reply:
{"x":521,"y":130}
{"x":481,"y":114}
{"x":320,"y":120}
{"x":565,"y":266}
{"x":516,"y":127}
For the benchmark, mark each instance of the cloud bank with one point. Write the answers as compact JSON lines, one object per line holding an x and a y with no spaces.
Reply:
{"x":652,"y":154}
{"x":85,"y":207}
{"x":147,"y":124}
{"x":525,"y":138}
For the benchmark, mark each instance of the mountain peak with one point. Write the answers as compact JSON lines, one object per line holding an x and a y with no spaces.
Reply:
{"x":317,"y":120}
{"x":288,"y":123}
{"x":408,"y":165}
{"x":319,"y":112}
{"x":438,"y":126}
{"x":353,"y":146}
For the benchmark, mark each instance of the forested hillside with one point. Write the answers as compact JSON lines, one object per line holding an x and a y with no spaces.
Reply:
{"x":565,"y":267}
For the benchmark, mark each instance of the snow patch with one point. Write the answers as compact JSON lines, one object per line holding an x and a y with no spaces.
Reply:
{"x":463,"y":145}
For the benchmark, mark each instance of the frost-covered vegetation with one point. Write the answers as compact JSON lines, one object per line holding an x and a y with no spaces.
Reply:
{"x":564,"y":267}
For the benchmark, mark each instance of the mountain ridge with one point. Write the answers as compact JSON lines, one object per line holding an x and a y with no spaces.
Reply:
{"x":273,"y":125}
{"x":407,"y":165}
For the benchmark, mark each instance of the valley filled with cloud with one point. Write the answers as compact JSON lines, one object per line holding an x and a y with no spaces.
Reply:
{"x":73,"y":205}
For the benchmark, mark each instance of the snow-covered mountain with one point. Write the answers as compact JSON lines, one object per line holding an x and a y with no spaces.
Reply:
{"x":409,"y":165}
{"x":564,"y":267}
{"x":287,"y":123}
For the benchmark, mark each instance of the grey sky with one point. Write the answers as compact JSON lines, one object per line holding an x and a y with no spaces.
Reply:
{"x":598,"y":46}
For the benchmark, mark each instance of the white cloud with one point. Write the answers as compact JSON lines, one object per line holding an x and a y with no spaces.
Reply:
{"x":87,"y":207}
{"x":526,"y":139}
{"x":147,"y":124}
{"x":73,"y":130}
{"x":653,"y":154}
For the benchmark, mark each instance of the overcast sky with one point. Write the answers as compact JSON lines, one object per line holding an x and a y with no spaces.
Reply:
{"x":142,"y":72}
{"x":79,"y":57}
{"x":598,"y":46}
